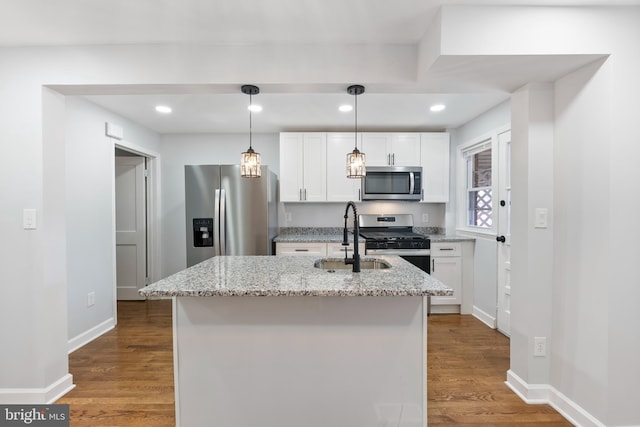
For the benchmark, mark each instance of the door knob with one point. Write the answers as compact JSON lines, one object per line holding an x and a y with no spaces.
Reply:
{"x":501,"y":239}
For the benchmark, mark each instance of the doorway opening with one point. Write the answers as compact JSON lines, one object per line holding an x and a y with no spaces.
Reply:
{"x":135,"y":210}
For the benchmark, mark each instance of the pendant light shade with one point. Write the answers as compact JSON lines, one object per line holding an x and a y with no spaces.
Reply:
{"x":250,"y":160}
{"x":356,"y":164}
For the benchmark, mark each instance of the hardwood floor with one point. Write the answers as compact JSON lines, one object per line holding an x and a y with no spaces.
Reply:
{"x":467,"y":366}
{"x":125,"y":377}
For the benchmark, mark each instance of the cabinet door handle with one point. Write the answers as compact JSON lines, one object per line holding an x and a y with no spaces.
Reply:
{"x":359,"y":194}
{"x":305,"y":194}
{"x":393,"y":159}
{"x":389,"y":159}
{"x":300,"y":194}
{"x":433,"y":265}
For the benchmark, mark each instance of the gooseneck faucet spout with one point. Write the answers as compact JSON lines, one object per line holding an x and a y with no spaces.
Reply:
{"x":356,"y":233}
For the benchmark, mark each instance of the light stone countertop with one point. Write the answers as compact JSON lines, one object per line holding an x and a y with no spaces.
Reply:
{"x":294,"y":276}
{"x":313,"y":235}
{"x":437,"y":238}
{"x":334,"y":235}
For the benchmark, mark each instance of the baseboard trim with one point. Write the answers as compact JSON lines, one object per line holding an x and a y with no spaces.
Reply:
{"x":484,"y":317}
{"x":535,"y":394}
{"x":90,"y":335}
{"x":37,"y":396}
{"x":445,"y":309}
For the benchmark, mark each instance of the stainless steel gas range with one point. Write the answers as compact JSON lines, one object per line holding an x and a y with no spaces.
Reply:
{"x":394,"y":235}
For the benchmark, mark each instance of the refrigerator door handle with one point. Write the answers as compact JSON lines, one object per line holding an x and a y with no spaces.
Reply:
{"x":223,"y":222}
{"x":216,"y":223}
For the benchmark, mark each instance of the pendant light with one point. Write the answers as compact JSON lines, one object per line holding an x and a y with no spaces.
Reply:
{"x":250,"y":160}
{"x":356,"y":160}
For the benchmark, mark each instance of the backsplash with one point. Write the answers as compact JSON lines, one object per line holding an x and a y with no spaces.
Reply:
{"x":323,"y":215}
{"x":323,"y":231}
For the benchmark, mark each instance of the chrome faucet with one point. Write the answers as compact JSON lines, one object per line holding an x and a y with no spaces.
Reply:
{"x":356,"y":233}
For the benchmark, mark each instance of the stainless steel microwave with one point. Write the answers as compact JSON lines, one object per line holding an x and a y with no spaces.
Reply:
{"x":392,"y":183}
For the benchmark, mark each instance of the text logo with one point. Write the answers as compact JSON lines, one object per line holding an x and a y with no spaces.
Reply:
{"x":34,"y":415}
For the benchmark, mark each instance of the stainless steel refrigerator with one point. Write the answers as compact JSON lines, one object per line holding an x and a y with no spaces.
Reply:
{"x":228,"y":214}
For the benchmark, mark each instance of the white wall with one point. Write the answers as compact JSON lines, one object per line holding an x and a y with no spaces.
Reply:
{"x":199,"y":149}
{"x":596,"y":319}
{"x":494,"y":118}
{"x":485,"y":259}
{"x":592,"y":289}
{"x":89,"y":212}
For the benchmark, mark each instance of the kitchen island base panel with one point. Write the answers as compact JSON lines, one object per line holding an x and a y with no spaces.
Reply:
{"x":300,"y":361}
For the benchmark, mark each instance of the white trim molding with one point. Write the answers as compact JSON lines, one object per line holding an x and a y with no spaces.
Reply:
{"x":91,"y":334}
{"x":35,"y":396}
{"x":484,"y":317}
{"x":537,"y":394}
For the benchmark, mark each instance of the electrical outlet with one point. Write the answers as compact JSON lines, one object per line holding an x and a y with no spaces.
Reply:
{"x":425,"y":217}
{"x":540,"y":346}
{"x":289,"y":217}
{"x":91,"y":299}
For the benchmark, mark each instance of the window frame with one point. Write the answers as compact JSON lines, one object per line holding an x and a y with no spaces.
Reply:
{"x":476,"y":145}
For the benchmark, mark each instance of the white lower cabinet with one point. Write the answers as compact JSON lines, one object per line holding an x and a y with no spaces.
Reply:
{"x":335,"y":250}
{"x":446,"y":266}
{"x":300,"y":249}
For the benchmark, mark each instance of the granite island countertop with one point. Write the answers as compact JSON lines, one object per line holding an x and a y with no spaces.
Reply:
{"x":294,"y":276}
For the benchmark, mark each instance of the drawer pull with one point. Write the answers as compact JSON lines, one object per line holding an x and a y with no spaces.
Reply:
{"x":302,"y":250}
{"x":446,"y":249}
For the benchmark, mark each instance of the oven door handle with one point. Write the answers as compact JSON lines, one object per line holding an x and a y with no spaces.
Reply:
{"x":401,"y":252}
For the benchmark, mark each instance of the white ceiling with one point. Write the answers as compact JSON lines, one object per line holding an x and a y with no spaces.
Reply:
{"x":468,"y":88}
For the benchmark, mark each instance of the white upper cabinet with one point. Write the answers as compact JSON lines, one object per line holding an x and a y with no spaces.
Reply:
{"x":391,"y":149}
{"x":339,"y":187}
{"x":434,"y":159}
{"x":405,"y":149}
{"x":313,"y":164}
{"x":375,"y":147}
{"x":303,"y":167}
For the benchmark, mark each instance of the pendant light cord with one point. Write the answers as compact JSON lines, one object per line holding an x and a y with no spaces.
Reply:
{"x":355,"y":136}
{"x":250,"y":112}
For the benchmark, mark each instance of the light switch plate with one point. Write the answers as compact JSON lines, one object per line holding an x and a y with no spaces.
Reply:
{"x":29,"y":219}
{"x":542,"y":217}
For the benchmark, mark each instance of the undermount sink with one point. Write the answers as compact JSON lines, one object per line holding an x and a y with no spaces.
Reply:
{"x":338,"y":264}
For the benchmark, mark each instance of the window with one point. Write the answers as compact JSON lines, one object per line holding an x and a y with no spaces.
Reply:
{"x":478,"y":179}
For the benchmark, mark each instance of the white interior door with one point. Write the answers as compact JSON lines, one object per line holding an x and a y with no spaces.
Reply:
{"x":504,"y":233}
{"x":130,"y":227}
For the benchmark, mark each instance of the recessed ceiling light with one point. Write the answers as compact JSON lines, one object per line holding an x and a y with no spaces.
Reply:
{"x":437,"y":107}
{"x":345,"y":108}
{"x":255,"y":108}
{"x":163,"y":109}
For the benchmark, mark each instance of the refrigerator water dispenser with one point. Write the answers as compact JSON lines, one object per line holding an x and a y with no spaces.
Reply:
{"x":202,"y":232}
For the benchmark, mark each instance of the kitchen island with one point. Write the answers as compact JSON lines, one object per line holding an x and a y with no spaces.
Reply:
{"x":275,"y":341}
